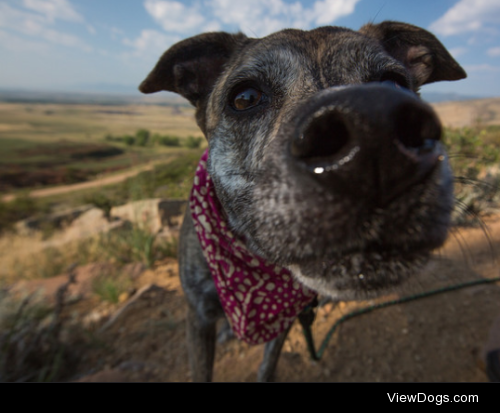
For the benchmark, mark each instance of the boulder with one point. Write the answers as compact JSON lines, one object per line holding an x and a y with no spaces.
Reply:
{"x":56,"y":220}
{"x":152,"y":214}
{"x":89,"y":224}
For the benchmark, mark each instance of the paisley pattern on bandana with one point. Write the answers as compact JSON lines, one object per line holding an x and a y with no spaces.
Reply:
{"x":260,"y":299}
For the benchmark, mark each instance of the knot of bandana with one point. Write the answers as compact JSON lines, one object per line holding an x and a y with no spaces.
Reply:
{"x":260,"y":299}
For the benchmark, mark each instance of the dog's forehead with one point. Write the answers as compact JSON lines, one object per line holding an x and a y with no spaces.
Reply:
{"x":311,"y":48}
{"x":327,"y":56}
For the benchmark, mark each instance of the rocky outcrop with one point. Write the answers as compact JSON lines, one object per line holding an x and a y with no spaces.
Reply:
{"x":152,"y":214}
{"x":56,"y":220}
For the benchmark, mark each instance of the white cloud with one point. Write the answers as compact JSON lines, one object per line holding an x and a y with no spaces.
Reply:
{"x":262,"y":17}
{"x":494,"y":52}
{"x":174,"y":16}
{"x":17,"y":44}
{"x":482,"y":68}
{"x":150,"y":42}
{"x":256,"y":18}
{"x":54,"y":9}
{"x":327,"y":11}
{"x":38,"y":26}
{"x":468,"y":16}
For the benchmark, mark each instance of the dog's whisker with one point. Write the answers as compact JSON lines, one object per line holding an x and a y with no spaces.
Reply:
{"x":483,"y":226}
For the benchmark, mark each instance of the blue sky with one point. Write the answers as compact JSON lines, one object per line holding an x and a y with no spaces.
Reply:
{"x":92,"y":45}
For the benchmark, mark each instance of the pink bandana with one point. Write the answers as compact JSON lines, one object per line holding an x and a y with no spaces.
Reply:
{"x":260,"y":299}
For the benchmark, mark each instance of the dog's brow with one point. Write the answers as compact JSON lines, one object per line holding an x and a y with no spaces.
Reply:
{"x":249,"y":73}
{"x":278,"y":65}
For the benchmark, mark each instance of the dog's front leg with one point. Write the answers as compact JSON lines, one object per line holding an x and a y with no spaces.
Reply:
{"x":201,"y":346}
{"x":272,"y":352}
{"x":204,"y":308}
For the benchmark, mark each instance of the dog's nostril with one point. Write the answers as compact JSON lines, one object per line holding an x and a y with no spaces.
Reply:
{"x":417,"y":128}
{"x":323,"y":137}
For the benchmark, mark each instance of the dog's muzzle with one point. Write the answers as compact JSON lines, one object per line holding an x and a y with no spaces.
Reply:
{"x":373,"y":140}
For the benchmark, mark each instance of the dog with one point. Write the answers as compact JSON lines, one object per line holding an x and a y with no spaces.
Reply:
{"x":324,"y":173}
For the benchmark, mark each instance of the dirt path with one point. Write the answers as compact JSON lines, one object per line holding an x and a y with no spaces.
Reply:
{"x":96,"y":183}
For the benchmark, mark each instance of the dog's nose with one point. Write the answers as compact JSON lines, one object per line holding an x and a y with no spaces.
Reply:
{"x":369,"y":140}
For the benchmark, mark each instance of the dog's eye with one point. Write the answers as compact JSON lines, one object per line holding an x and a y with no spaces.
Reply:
{"x":247,"y":98}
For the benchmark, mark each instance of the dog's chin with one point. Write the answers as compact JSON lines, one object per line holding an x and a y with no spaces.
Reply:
{"x":358,"y":275}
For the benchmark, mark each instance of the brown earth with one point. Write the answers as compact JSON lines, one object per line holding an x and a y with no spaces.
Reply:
{"x":434,"y":339}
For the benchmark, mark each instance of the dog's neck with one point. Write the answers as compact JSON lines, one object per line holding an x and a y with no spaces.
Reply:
{"x":260,"y":299}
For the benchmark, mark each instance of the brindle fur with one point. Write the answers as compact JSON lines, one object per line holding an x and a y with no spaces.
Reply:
{"x":341,"y":242}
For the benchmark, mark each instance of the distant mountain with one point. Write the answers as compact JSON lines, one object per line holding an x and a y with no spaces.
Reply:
{"x":479,"y":112}
{"x":109,"y":94}
{"x":100,"y":98}
{"x":113,"y":88}
{"x":436,"y":97}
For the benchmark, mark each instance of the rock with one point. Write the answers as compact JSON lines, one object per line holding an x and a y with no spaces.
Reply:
{"x":152,"y":294}
{"x":57,"y":220}
{"x":91,"y":223}
{"x":152,"y":214}
{"x":133,"y":270}
{"x":48,"y":287}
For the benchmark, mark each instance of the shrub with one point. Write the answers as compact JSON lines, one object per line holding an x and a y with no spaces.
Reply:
{"x":172,"y":141}
{"x":20,"y":208}
{"x":100,"y":200}
{"x":142,"y":137}
{"x":109,"y":287}
{"x":129,"y":140}
{"x":32,"y":347}
{"x":473,"y":161}
{"x":192,"y":142}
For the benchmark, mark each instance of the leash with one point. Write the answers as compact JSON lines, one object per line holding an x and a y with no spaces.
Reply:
{"x":306,"y":317}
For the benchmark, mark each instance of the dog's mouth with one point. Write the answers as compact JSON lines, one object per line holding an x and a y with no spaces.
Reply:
{"x":363,"y":273}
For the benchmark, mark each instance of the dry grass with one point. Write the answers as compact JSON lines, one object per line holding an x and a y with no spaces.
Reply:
{"x":37,"y":344}
{"x":469,"y":112}
{"x":32,"y":257}
{"x":55,"y":122}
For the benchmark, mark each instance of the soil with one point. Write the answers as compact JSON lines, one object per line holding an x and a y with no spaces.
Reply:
{"x":435,"y":339}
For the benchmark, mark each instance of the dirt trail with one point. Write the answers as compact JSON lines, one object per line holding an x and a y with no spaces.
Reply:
{"x":96,"y":183}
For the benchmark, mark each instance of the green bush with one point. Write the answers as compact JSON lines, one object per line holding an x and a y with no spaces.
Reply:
{"x":128,"y":140}
{"x":192,"y":142}
{"x":100,"y":200}
{"x":172,"y":141}
{"x":177,"y":175}
{"x":20,"y":208}
{"x":142,"y":137}
{"x":109,"y":287}
{"x":473,"y":158}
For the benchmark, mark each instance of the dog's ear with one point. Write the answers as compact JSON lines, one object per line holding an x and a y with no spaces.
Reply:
{"x":191,"y":67}
{"x":424,"y":55}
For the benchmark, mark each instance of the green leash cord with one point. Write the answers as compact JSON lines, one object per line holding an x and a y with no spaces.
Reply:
{"x":306,"y":317}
